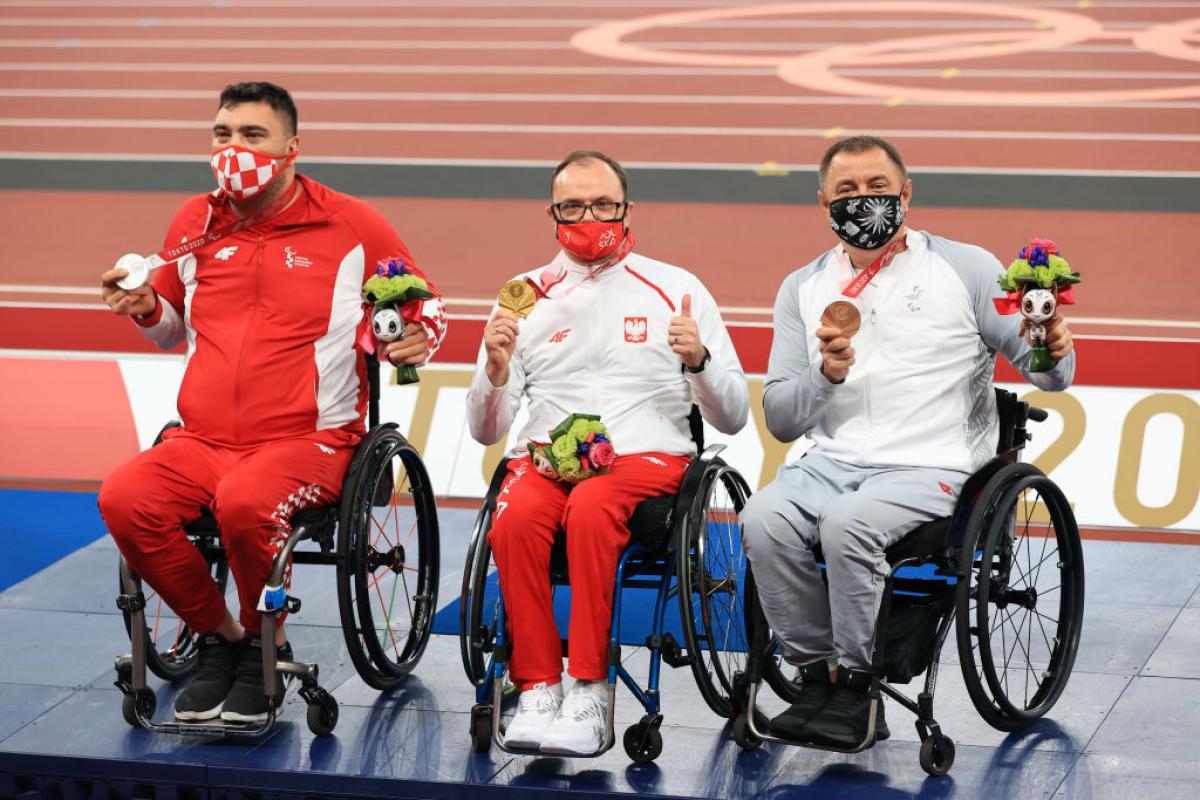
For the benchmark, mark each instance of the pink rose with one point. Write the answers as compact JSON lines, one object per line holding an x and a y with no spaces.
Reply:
{"x":602,"y":455}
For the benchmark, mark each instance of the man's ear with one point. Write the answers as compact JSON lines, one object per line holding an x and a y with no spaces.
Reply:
{"x":906,"y":195}
{"x":822,"y":199}
{"x":628,"y":214}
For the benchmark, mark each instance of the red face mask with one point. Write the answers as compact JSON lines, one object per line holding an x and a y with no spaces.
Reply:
{"x":242,"y":173}
{"x":592,"y":241}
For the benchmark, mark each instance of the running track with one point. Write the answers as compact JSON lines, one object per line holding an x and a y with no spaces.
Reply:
{"x":1111,"y":92}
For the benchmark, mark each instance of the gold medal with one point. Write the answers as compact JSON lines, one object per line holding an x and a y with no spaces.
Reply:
{"x":518,"y":297}
{"x":844,"y":315}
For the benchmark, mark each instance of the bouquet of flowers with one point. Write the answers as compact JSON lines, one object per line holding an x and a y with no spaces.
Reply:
{"x":578,"y":449}
{"x":394,"y":293}
{"x":1037,"y":282}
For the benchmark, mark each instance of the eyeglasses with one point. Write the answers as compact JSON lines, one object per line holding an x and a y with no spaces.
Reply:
{"x":603,"y":211}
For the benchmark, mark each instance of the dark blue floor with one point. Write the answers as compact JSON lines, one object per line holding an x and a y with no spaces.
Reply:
{"x":1127,"y":726}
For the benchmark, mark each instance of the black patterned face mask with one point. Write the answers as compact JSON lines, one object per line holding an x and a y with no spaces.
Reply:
{"x":867,"y":221}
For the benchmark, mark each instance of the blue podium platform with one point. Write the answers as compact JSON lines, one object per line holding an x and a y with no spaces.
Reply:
{"x":1126,"y":727}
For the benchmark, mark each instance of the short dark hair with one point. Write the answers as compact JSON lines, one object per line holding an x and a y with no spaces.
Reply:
{"x":579,"y":156}
{"x":860,"y":144}
{"x":276,"y":97}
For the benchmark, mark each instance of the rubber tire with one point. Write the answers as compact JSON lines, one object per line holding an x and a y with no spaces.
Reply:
{"x":323,"y":715}
{"x":717,"y":688}
{"x":481,"y":728}
{"x":742,"y":735}
{"x":937,"y":760}
{"x":995,"y":500}
{"x":148,"y":702}
{"x":643,"y":742}
{"x":374,"y":454}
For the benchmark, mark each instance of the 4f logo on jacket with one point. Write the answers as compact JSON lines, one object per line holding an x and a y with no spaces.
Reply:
{"x":225,"y":253}
{"x":559,"y":337}
{"x":635,"y":329}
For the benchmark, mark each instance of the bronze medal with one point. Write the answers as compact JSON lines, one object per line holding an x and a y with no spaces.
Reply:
{"x":844,"y":315}
{"x":518,"y":297}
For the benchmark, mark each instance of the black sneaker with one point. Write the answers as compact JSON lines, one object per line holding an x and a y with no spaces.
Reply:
{"x":247,"y":702}
{"x":204,"y":697}
{"x":842,"y":723}
{"x":815,"y":691}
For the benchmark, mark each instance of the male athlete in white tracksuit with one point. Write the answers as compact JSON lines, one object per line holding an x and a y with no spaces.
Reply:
{"x":633,"y":340}
{"x":900,"y":413}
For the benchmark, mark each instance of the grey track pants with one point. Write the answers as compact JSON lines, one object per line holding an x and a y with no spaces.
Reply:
{"x":855,"y":513}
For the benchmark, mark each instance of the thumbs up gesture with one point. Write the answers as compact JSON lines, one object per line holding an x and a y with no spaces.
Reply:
{"x":684,"y":336}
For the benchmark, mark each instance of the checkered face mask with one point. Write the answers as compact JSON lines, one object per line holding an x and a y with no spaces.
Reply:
{"x":242,"y":173}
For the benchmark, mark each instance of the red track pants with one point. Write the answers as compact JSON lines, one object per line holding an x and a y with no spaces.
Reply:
{"x":529,"y":510}
{"x":252,"y":491}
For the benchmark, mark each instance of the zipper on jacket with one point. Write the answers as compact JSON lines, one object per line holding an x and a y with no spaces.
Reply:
{"x":260,"y":250}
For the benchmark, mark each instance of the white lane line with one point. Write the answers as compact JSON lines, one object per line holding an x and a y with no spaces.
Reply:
{"x":504,"y":4}
{"x":776,"y":168}
{"x":765,"y":311}
{"x":613,"y":130}
{"x":533,"y":97}
{"x":259,"y":68}
{"x":805,"y":23}
{"x":78,"y":43}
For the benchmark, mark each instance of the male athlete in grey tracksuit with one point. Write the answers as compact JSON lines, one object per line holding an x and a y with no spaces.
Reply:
{"x":900,"y":414}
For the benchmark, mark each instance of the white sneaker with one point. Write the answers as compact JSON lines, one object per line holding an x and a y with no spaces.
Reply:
{"x":537,"y":707}
{"x":582,"y":723}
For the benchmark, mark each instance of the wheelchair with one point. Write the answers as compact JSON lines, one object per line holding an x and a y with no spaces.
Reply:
{"x":682,"y":546}
{"x":382,"y":537}
{"x":981,"y":569}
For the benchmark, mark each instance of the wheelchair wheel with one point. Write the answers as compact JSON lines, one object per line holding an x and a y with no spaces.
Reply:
{"x":1020,"y":609}
{"x":710,"y":566}
{"x":477,"y":610}
{"x":171,"y":649}
{"x":387,"y":558}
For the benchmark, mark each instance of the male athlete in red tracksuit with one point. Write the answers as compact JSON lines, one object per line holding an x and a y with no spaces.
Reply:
{"x":274,"y":392}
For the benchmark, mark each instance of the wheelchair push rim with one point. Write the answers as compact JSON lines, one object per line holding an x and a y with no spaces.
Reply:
{"x":711,"y":568}
{"x":388,"y":559}
{"x":171,"y":646}
{"x":1021,"y":611}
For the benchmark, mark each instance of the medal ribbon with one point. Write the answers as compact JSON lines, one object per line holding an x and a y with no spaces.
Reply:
{"x":169,"y":254}
{"x":856,"y":286}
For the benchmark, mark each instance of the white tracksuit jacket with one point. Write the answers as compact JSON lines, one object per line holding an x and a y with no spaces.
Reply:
{"x":598,"y":345}
{"x":920,"y":391}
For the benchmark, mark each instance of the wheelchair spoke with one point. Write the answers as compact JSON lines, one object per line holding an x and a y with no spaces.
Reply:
{"x":157,"y":615}
{"x":387,"y":622}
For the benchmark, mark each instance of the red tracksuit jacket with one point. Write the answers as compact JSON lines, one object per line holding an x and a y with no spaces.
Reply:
{"x":272,"y":316}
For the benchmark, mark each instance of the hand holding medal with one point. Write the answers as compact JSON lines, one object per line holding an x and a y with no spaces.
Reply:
{"x":516,"y":300}
{"x":841,"y":320}
{"x":125,"y":288}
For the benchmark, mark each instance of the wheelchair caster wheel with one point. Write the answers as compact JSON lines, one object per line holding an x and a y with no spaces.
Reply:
{"x":742,"y":735}
{"x":643,"y":742}
{"x":937,"y":756}
{"x":481,"y":728}
{"x":323,"y":714}
{"x":144,"y":701}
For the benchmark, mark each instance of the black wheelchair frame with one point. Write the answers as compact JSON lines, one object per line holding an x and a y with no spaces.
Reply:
{"x":369,"y":484}
{"x":669,"y":537}
{"x":975,"y":557}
